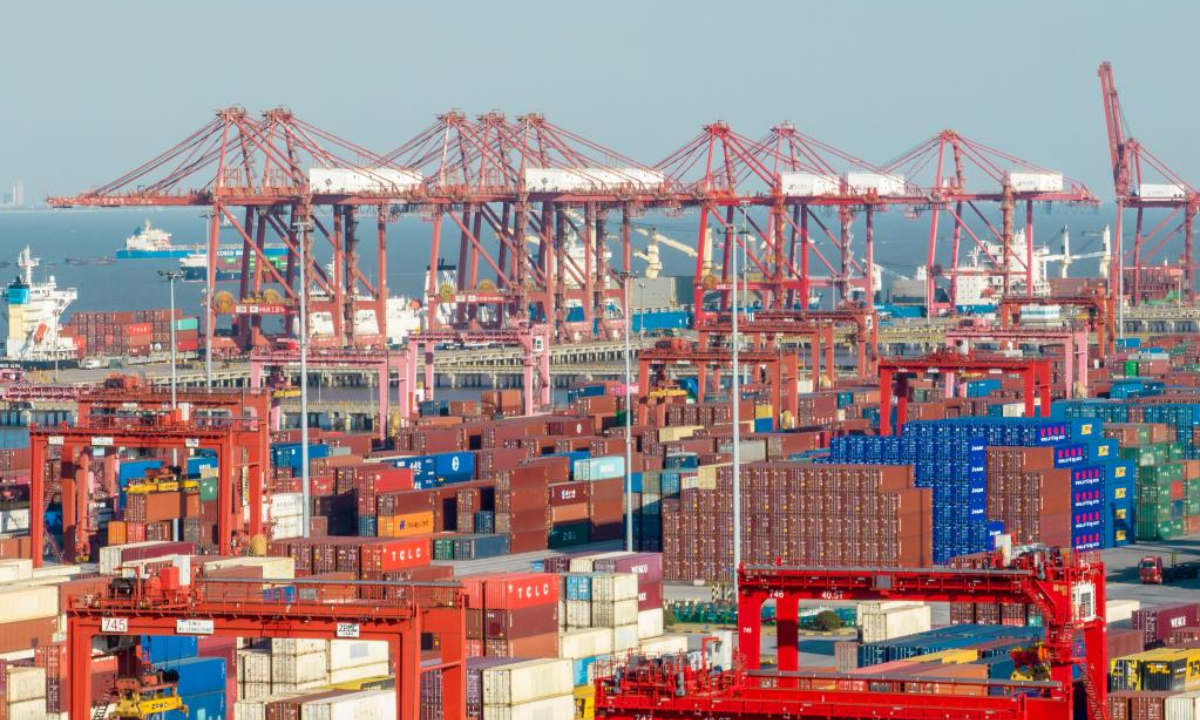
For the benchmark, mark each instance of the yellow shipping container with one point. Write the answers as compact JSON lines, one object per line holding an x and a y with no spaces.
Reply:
{"x":585,"y":702}
{"x":407,"y":525}
{"x":681,"y":432}
{"x":762,"y":412}
{"x":707,"y":479}
{"x":954,"y":656}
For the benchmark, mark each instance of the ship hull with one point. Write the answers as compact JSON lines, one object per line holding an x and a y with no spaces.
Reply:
{"x":150,"y":254}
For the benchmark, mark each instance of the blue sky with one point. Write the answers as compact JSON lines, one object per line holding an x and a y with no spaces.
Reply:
{"x":93,"y":88}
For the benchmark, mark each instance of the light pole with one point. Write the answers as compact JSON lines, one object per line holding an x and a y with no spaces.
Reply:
{"x":735,"y":400}
{"x":303,"y":228}
{"x":172,"y":276}
{"x":627,"y":311}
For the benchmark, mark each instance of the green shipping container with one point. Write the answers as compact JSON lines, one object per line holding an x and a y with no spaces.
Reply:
{"x":1131,"y":368}
{"x":208,"y":489}
{"x":443,"y":549}
{"x":186,"y":324}
{"x":569,"y":534}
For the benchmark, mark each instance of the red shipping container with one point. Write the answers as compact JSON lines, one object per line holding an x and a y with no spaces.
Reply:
{"x":395,"y":554}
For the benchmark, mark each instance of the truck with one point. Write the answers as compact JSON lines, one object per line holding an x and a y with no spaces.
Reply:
{"x":1152,"y":572}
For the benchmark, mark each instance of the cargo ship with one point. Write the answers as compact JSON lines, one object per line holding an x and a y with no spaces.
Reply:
{"x":150,"y":242}
{"x":33,"y":312}
{"x":229,"y":263}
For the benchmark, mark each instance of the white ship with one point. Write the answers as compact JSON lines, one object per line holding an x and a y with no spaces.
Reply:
{"x":151,"y":242}
{"x":404,"y":317}
{"x":33,"y":312}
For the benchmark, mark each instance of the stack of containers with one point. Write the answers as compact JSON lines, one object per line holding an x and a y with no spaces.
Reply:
{"x":948,"y":459}
{"x":512,"y":614}
{"x":24,"y":692}
{"x":297,"y":665}
{"x":528,"y":690}
{"x":605,"y":477}
{"x":521,"y":505}
{"x":202,"y":686}
{"x":285,"y":515}
{"x":350,"y":660}
{"x":430,"y":471}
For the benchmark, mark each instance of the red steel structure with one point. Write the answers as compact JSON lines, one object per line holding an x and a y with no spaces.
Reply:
{"x":959,"y":177}
{"x":396,"y":613}
{"x":238,"y":443}
{"x":1101,"y":318}
{"x":532,"y":339}
{"x":531,"y":205}
{"x":894,"y":374}
{"x":1074,"y":341}
{"x":1143,"y":182}
{"x":253,"y":176}
{"x":1067,"y":588}
{"x":769,"y":334}
{"x":383,"y":362}
{"x":768,"y":194}
{"x":775,"y":368}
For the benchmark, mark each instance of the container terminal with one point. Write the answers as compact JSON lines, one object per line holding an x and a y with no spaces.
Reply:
{"x":778,"y":489}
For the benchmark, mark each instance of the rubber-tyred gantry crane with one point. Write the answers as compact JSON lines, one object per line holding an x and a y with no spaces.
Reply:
{"x":1101,"y":315}
{"x":1143,"y":182}
{"x":532,"y":339}
{"x":239,"y":443}
{"x":960,"y":177}
{"x":396,"y":613}
{"x":894,"y":374}
{"x":1073,"y":339}
{"x":1067,"y":588}
{"x":383,"y":362}
{"x":776,"y":368}
{"x":767,"y":334}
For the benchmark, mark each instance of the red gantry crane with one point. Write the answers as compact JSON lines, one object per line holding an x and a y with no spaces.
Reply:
{"x":396,"y":613}
{"x":960,"y":177}
{"x":1143,"y":182}
{"x":894,"y":373}
{"x":1067,"y":589}
{"x":531,"y":204}
{"x":783,"y":183}
{"x":276,"y":180}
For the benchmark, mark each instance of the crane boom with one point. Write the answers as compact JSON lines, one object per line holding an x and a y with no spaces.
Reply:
{"x":1114,"y":121}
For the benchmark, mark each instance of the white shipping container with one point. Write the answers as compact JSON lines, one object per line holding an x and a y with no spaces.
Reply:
{"x":297,"y":646}
{"x":273,"y":568}
{"x":580,"y":644}
{"x":110,"y":555}
{"x":12,"y":521}
{"x":253,"y":666}
{"x":1118,"y":610}
{"x":183,"y":562}
{"x":664,"y":645}
{"x":355,"y":653}
{"x":299,"y":669}
{"x":803,"y":184}
{"x":650,"y":623}
{"x":554,"y":708}
{"x":297,"y":688}
{"x":579,"y":614}
{"x":359,"y":672}
{"x":1161,"y":191}
{"x":895,"y":623}
{"x":249,"y":691}
{"x":28,"y":603}
{"x":16,"y":569}
{"x":614,"y":586}
{"x":1184,"y":706}
{"x":54,"y":571}
{"x":612,"y":613}
{"x":339,"y":181}
{"x":1035,"y":182}
{"x":286,"y":528}
{"x":25,"y":683}
{"x":625,"y":637}
{"x":551,"y":180}
{"x":28,"y":710}
{"x":880,"y":183}
{"x":286,"y":504}
{"x":526,"y":681}
{"x":365,"y":705}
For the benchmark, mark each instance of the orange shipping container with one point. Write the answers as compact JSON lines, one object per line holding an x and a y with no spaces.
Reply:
{"x":406,"y":525}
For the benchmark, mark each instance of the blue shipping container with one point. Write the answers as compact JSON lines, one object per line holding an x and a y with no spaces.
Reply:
{"x":200,"y":675}
{"x":206,"y":706}
{"x":164,"y":648}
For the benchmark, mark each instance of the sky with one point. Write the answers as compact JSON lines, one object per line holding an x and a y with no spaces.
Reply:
{"x":92,"y":89}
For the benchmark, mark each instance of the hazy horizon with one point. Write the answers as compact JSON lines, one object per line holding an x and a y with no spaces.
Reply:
{"x":96,"y":89}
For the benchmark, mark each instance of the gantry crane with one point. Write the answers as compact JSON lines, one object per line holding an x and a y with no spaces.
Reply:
{"x":383,"y":362}
{"x":396,"y":613}
{"x":1067,"y":588}
{"x":1073,"y":339}
{"x":239,"y":443}
{"x":1101,"y":317}
{"x":1143,"y":182}
{"x":948,"y":364}
{"x":533,"y":340}
{"x":769,"y":333}
{"x":941,"y":166}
